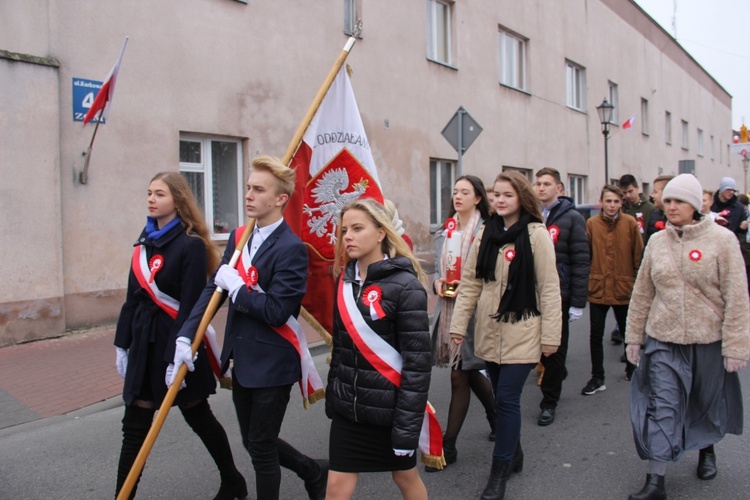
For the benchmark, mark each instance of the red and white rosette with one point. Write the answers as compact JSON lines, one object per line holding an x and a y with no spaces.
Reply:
{"x":509,"y":254}
{"x":372,"y":298}
{"x":554,"y":233}
{"x":155,"y":265}
{"x":695,"y":255}
{"x":450,"y":225}
{"x":252,"y":277}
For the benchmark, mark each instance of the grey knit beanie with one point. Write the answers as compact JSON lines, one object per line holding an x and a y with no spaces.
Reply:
{"x":684,"y":187}
{"x":727,"y":183}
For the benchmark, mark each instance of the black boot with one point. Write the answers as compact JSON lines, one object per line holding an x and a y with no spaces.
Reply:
{"x":517,"y":463}
{"x":313,"y":472}
{"x":495,"y":489}
{"x":135,"y":426}
{"x":492,"y":419}
{"x":201,"y":419}
{"x":707,"y":463}
{"x":654,"y":489}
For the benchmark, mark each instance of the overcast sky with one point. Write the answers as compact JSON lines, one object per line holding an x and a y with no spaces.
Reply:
{"x":717,"y":34}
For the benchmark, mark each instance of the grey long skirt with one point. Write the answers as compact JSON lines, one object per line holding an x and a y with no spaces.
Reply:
{"x":681,"y":399}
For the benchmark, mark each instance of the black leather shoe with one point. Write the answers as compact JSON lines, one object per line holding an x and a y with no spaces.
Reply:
{"x":706,"y":465}
{"x":316,"y":489}
{"x":236,"y":487}
{"x":654,"y":489}
{"x":546,"y":417}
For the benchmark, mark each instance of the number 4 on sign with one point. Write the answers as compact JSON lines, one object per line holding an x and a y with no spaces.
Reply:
{"x":88,"y":100}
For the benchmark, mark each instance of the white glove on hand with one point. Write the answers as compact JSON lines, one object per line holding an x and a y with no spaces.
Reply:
{"x":229,"y":279}
{"x":734,"y":365}
{"x":122,"y":361}
{"x":574,"y":314}
{"x":403,"y":453}
{"x":633,"y":352}
{"x":169,"y":377}
{"x":183,"y":353}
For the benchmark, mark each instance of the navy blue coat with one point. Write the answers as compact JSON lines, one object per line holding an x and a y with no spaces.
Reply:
{"x":571,"y":251}
{"x":148,"y":333}
{"x":262,"y":357}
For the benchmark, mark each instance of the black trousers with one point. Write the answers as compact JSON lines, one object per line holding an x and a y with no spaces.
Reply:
{"x":554,"y":365}
{"x":260,"y":412}
{"x":598,"y":317}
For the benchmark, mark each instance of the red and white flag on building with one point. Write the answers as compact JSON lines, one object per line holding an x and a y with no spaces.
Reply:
{"x":629,"y":122}
{"x":100,"y":107}
{"x":334,"y":166}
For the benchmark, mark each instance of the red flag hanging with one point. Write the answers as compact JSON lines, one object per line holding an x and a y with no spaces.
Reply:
{"x":629,"y":122}
{"x":334,"y":166}
{"x":100,"y":106}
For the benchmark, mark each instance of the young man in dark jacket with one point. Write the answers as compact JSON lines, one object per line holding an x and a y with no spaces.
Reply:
{"x":727,"y":205}
{"x":635,"y":204}
{"x":567,"y":229}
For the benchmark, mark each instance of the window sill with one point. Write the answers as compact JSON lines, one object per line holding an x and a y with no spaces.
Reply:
{"x":441,"y":63}
{"x":510,"y":87}
{"x":645,"y":134}
{"x":576,"y":109}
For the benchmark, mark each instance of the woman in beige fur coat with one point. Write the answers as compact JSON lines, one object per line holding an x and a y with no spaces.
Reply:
{"x":687,"y":330}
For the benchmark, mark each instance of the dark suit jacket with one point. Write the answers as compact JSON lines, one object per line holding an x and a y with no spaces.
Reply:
{"x":262,"y":358}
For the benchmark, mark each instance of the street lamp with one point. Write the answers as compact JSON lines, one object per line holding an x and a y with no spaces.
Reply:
{"x":605,"y":110}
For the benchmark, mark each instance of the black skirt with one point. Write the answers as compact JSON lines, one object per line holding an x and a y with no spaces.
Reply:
{"x":359,"y":447}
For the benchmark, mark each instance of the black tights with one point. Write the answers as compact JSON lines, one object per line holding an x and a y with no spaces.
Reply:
{"x":463,"y":382}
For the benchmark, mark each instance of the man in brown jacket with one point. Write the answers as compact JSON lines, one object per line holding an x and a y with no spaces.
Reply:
{"x":616,"y":251}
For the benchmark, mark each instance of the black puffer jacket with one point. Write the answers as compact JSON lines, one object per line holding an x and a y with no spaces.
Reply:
{"x":356,"y":390}
{"x":567,"y":229}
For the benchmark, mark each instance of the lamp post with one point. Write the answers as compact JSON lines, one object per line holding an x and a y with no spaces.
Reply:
{"x":605,"y":110}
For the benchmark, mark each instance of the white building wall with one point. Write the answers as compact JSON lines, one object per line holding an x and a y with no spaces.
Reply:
{"x":249,"y":71}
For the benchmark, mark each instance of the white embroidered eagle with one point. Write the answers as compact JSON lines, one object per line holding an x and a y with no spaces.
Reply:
{"x":328,"y":193}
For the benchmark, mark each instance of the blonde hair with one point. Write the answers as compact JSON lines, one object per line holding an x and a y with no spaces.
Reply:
{"x":285,"y":176}
{"x":192,"y":218}
{"x":392,"y":245}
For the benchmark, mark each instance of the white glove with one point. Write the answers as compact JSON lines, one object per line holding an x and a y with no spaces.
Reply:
{"x":169,"y":377}
{"x":574,"y":314}
{"x":183,"y":353}
{"x":122,"y":361}
{"x":633,"y":352}
{"x":403,"y":453}
{"x":229,"y":279}
{"x":734,"y":365}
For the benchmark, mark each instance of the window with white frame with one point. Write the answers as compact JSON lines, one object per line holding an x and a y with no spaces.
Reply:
{"x":442,"y":178}
{"x":699,"y":144}
{"x":577,"y":188}
{"x":352,"y":13}
{"x":512,"y":60}
{"x":668,"y":127}
{"x":575,"y":86}
{"x":614,"y":101}
{"x":439,"y":31}
{"x":644,"y":116}
{"x":712,"y":148}
{"x":685,"y":140}
{"x":213,"y":169}
{"x":526,"y":172}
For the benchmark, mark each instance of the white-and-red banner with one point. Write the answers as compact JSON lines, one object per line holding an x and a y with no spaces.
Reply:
{"x":334,"y":166}
{"x":100,"y":107}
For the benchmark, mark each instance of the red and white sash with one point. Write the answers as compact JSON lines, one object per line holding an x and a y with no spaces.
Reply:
{"x":388,"y":362}
{"x":311,"y":385}
{"x":145,"y":274}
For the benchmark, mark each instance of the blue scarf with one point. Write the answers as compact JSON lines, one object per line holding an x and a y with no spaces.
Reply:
{"x":152,"y":230}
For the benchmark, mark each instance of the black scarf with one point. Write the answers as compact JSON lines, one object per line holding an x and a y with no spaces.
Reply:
{"x":519,"y":299}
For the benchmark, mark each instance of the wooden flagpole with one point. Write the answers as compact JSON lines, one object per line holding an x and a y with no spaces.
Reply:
{"x":84,"y":175}
{"x":213,"y":305}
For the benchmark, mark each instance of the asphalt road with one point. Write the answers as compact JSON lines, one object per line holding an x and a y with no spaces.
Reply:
{"x":587,"y":453}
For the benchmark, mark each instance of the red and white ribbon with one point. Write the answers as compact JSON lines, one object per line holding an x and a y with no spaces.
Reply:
{"x":372,"y":297}
{"x":388,"y":362}
{"x":311,"y":385}
{"x":450,"y":225}
{"x":142,"y":268}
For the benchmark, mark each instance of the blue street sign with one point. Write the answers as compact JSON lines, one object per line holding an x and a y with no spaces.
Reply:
{"x":84,"y":93}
